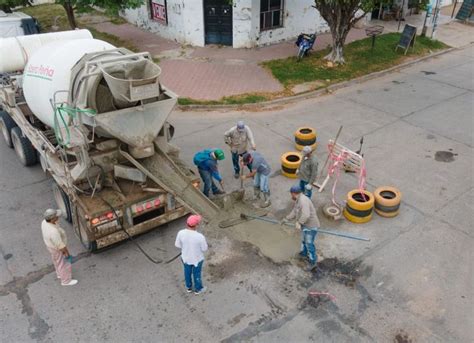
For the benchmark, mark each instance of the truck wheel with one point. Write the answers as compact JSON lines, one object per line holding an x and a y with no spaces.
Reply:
{"x":62,"y":201}
{"x":23,"y":148}
{"x":6,"y":125}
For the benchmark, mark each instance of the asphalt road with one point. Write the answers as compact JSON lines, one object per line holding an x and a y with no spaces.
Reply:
{"x":412,"y":282}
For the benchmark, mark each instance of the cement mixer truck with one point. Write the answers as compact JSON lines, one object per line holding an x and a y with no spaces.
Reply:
{"x":95,"y":117}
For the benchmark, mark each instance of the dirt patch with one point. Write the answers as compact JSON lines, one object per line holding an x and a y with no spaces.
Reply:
{"x":402,"y":337}
{"x":345,"y":272}
{"x":444,"y":156}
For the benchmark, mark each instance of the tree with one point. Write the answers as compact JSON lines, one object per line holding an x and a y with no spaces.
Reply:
{"x":341,"y":15}
{"x":110,"y":6}
{"x":8,"y":5}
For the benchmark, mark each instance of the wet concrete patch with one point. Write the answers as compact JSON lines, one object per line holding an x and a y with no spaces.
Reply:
{"x":444,"y":156}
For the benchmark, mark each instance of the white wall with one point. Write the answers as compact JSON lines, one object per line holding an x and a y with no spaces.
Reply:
{"x":299,"y":16}
{"x":185,"y":21}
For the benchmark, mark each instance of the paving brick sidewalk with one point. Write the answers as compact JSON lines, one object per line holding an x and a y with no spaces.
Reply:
{"x":213,"y":72}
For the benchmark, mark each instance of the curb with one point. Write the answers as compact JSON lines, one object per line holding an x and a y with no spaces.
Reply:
{"x":319,"y":92}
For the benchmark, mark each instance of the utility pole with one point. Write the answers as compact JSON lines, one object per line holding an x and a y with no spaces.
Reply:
{"x":429,"y":8}
{"x":435,"y":18}
{"x":401,"y":16}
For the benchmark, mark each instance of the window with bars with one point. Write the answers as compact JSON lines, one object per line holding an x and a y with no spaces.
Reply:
{"x":271,"y":14}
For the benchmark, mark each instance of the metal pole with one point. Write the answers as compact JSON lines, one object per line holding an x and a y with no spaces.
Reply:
{"x":454,"y":8}
{"x":401,"y":15}
{"x":425,"y":27}
{"x":334,"y":233}
{"x":435,"y":19}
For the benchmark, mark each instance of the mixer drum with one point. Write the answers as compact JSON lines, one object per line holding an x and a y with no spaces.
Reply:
{"x":47,"y":76}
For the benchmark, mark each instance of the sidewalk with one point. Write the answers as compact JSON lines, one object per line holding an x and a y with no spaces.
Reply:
{"x":213,"y":72}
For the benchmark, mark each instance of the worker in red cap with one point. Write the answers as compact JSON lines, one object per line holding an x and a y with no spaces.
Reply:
{"x":193,"y":245}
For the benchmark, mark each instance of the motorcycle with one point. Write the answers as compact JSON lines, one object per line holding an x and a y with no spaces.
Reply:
{"x":304,"y":43}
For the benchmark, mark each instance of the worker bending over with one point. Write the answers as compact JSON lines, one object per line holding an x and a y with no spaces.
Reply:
{"x":307,"y":221}
{"x":206,"y":162}
{"x":238,"y":138}
{"x":261,"y":174}
{"x":308,"y":171}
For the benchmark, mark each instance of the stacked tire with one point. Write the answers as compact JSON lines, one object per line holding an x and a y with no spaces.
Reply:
{"x":290,"y":162}
{"x":387,"y":201}
{"x":359,"y":206}
{"x":305,"y":136}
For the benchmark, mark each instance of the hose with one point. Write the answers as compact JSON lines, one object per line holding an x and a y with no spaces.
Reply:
{"x":124,"y":230}
{"x":62,"y":110}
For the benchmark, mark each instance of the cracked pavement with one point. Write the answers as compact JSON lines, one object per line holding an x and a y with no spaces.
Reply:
{"x":412,"y":281}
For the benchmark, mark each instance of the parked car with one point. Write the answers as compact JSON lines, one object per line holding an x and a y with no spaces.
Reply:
{"x":17,"y":24}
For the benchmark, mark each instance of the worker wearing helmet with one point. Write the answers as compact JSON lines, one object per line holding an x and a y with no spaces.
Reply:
{"x":261,"y":173}
{"x":308,"y":171}
{"x":55,"y":239}
{"x":306,"y":221}
{"x":206,"y":162}
{"x":238,"y":138}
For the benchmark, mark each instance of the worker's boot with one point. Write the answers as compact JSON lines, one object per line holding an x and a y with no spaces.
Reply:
{"x":266,"y":199}
{"x":256,"y":193}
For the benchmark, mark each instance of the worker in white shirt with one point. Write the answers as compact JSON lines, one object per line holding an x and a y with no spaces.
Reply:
{"x":55,"y":239}
{"x":193,"y":245}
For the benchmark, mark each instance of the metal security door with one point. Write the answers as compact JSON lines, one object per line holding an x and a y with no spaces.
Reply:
{"x":218,"y":22}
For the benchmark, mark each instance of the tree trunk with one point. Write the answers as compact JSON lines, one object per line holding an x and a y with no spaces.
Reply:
{"x":339,"y":35}
{"x":70,"y":14}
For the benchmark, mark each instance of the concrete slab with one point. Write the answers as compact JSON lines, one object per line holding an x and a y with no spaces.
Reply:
{"x":438,"y":295}
{"x":460,"y":212}
{"x":405,"y":156}
{"x":13,"y":326}
{"x":452,"y":119}
{"x":400,"y":95}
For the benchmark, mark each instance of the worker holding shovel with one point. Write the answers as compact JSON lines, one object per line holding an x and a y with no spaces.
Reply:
{"x":307,"y":221}
{"x":260,"y":174}
{"x":206,"y":162}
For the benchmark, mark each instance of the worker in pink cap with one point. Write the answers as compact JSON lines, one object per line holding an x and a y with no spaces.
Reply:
{"x":193,"y":245}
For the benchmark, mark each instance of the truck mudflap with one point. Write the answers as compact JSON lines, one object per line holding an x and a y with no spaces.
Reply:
{"x":138,"y":229}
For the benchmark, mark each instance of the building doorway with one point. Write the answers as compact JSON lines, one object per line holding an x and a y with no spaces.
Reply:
{"x":218,"y":22}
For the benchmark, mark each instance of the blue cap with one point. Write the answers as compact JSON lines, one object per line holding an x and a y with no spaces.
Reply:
{"x":240,"y":125}
{"x":295,"y":189}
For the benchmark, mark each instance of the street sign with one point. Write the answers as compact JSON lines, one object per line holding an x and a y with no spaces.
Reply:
{"x":407,"y":38}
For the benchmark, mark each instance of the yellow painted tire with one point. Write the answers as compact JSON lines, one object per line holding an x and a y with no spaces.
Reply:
{"x":387,"y":196}
{"x":387,"y":201}
{"x":387,"y":214}
{"x":290,"y":162}
{"x":355,"y":219}
{"x":356,"y":201}
{"x":305,"y":136}
{"x":300,"y":147}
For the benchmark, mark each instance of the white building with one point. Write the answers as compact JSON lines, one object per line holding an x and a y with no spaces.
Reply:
{"x":239,"y":23}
